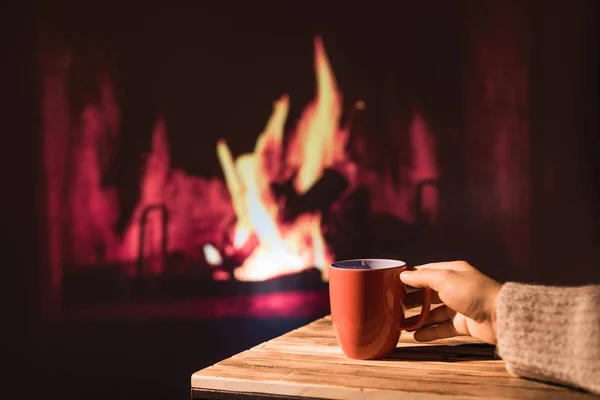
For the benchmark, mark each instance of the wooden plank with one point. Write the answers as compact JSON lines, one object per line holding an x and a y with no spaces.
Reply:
{"x":289,"y":382}
{"x":437,"y":373}
{"x":340,"y":361}
{"x":308,"y":363}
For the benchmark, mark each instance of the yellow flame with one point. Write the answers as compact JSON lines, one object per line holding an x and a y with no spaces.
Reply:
{"x":236,"y":190}
{"x":316,"y":144}
{"x":314,"y":147}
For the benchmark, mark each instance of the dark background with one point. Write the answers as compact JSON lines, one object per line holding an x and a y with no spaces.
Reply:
{"x":123,"y":358}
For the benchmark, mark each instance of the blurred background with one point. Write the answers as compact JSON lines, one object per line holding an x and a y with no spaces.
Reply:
{"x":178,"y":176}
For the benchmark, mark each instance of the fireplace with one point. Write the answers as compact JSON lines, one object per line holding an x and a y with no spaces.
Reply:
{"x":196,"y":159}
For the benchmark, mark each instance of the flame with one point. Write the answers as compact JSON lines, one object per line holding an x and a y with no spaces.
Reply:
{"x":212,"y":255}
{"x":316,"y":144}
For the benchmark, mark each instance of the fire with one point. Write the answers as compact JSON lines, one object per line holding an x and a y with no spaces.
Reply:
{"x":317,"y":143}
{"x":238,"y":227}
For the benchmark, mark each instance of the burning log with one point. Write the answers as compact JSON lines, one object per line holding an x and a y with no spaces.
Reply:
{"x":318,"y":198}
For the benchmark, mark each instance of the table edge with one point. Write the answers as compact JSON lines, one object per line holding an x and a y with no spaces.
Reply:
{"x":216,"y":394}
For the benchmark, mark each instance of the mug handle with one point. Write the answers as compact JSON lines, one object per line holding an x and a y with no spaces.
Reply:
{"x":424,"y":312}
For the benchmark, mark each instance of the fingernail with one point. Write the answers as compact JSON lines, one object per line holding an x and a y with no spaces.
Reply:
{"x":405,"y":274}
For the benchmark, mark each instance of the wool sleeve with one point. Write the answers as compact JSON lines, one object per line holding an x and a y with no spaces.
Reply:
{"x":550,"y":333}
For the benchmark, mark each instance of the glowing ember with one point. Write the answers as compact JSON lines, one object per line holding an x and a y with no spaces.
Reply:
{"x":212,"y":255}
{"x":316,"y":144}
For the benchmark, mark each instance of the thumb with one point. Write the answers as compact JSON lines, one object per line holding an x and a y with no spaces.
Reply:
{"x":434,"y":279}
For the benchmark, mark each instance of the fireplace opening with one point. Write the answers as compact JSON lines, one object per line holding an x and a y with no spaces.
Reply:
{"x":193,"y":160}
{"x":274,"y":222}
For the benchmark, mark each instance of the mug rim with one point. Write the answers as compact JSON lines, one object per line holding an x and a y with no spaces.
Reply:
{"x":399,"y":265}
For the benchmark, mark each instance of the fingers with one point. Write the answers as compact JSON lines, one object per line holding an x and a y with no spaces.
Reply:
{"x":450,"y":265}
{"x":441,"y":331}
{"x":436,"y":316}
{"x":434,"y":279}
{"x":432,"y":275}
{"x":415,"y":299}
{"x":439,"y":315}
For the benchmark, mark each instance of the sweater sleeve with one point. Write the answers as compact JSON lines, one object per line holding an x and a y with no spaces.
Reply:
{"x":551,"y":333}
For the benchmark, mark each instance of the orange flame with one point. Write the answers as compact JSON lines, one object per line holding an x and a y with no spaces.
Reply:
{"x":316,"y":144}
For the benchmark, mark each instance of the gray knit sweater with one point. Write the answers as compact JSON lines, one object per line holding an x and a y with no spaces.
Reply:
{"x":551,"y":333}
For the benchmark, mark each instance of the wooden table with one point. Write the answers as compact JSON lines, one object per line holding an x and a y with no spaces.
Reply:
{"x":307,"y":363}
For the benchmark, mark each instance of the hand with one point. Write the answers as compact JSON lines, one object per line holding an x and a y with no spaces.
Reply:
{"x":469,"y":298}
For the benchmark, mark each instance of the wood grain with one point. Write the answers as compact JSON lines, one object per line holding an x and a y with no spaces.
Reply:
{"x":308,"y":363}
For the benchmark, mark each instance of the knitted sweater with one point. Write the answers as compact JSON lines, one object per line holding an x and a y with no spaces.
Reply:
{"x":551,"y":333}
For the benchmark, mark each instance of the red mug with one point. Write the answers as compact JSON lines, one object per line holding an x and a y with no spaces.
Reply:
{"x":367,"y":306}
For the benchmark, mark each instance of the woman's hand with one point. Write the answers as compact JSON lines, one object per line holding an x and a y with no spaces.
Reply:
{"x":469,"y":298}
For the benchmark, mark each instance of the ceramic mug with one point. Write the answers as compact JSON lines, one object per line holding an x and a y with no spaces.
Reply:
{"x":367,"y":306}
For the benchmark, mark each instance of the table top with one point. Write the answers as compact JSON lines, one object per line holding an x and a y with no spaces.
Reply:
{"x":307,"y":363}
